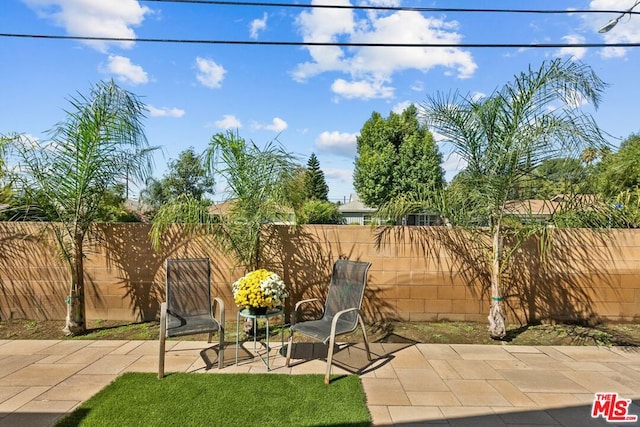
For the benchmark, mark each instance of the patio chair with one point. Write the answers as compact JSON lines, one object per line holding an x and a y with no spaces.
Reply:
{"x":189,"y":308}
{"x":341,"y":313}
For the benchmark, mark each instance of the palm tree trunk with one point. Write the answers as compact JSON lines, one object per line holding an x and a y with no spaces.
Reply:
{"x":497,"y":322}
{"x":76,"y":321}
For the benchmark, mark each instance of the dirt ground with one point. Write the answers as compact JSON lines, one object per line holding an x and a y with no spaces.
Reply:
{"x":609,"y":334}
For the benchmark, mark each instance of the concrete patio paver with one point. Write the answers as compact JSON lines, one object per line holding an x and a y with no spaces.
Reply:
{"x":406,"y":384}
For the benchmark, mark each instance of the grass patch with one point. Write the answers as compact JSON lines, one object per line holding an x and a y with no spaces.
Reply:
{"x":140,"y":399}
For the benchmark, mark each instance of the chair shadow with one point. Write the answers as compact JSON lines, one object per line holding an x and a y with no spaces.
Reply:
{"x":352,"y":357}
{"x":211,"y":355}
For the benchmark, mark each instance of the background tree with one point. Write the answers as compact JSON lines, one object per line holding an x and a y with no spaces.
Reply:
{"x":617,"y":178}
{"x":504,"y":138}
{"x":556,"y":176}
{"x":620,"y":171}
{"x":320,"y":212}
{"x":89,"y":153}
{"x":396,"y":155}
{"x":186,"y":175}
{"x":315,"y":186}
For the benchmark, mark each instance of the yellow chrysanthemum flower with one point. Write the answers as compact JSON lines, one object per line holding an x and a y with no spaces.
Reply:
{"x":259,"y":288}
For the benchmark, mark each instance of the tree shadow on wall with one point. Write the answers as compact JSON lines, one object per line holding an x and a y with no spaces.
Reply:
{"x":128,"y":249}
{"x":535,"y":287}
{"x":559,"y":283}
{"x":446,"y":250}
{"x":26,"y":289}
{"x":305,"y":261}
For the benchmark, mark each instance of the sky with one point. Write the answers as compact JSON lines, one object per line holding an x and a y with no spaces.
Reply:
{"x":312,"y":99}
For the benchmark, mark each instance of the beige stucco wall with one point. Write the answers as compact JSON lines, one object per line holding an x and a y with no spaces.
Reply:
{"x":417,"y":273}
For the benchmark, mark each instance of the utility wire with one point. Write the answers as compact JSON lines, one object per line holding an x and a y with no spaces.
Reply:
{"x":387,"y":8}
{"x":308,"y":43}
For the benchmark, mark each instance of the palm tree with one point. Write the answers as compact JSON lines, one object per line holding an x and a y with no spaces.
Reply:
{"x":257,"y":191}
{"x":502,"y":138}
{"x":91,"y":151}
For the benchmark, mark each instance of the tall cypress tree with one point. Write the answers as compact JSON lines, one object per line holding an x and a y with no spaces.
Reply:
{"x":315,"y":186}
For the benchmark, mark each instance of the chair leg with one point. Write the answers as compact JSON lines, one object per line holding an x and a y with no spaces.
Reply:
{"x":332,"y":341}
{"x":163,"y":337}
{"x":289,"y":345}
{"x":221,"y":348}
{"x":366,"y":340}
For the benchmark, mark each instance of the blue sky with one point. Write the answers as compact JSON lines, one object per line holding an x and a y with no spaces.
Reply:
{"x":313,"y":99}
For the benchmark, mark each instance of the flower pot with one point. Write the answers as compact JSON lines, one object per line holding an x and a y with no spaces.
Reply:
{"x":257,"y":310}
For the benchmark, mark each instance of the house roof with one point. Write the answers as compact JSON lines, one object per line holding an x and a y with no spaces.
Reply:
{"x":534,"y":207}
{"x":355,"y":206}
{"x":221,"y":208}
{"x":538,"y":207}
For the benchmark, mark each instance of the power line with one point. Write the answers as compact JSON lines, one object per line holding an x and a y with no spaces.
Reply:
{"x":387,"y":8}
{"x":308,"y":43}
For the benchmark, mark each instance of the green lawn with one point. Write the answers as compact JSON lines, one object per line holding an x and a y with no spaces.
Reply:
{"x":140,"y":399}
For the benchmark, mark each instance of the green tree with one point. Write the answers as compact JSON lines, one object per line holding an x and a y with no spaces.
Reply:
{"x":315,"y":186}
{"x":89,"y":153}
{"x":503,"y":138}
{"x":114,"y":207}
{"x":620,"y":171}
{"x":557,"y":176}
{"x":186,"y":175}
{"x":396,"y":155}
{"x":320,"y":212}
{"x":617,"y":178}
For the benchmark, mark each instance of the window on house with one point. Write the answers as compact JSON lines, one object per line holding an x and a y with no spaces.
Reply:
{"x":426,"y":219}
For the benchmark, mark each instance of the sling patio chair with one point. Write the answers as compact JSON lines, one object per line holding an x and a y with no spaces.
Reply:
{"x":189,"y":308}
{"x":341,"y":313}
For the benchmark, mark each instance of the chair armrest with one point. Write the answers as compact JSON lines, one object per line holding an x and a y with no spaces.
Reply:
{"x":218,"y":301}
{"x":294,"y":315}
{"x":299,"y":303}
{"x":334,"y":322}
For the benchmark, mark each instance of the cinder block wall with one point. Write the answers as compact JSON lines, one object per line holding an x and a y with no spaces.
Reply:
{"x":417,"y":273}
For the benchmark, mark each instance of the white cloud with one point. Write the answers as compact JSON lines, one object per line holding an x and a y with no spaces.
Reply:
{"x":228,"y":121}
{"x":477,"y":96}
{"x":339,"y":143}
{"x":576,"y":100}
{"x":209,"y":73}
{"x":257,"y":25}
{"x":626,"y":31}
{"x":453,"y":164}
{"x":401,"y":106}
{"x":165,"y":112}
{"x":574,"y":52}
{"x":417,"y":86}
{"x":94,"y":18}
{"x":277,"y":125}
{"x":376,"y":65}
{"x":344,"y":176}
{"x":125,"y":71}
{"x":613,"y":52}
{"x":361,"y":89}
